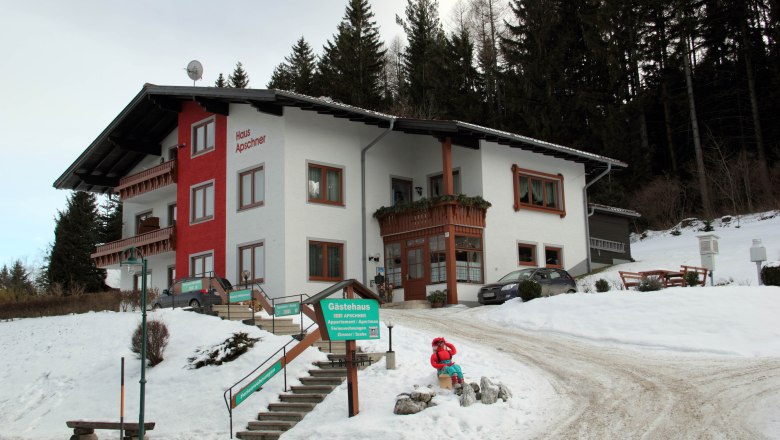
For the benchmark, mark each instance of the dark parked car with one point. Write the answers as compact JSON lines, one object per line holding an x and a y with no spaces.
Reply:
{"x":553,"y":282}
{"x":194,"y":292}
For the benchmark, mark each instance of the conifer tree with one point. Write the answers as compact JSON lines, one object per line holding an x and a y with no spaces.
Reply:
{"x":19,"y":280}
{"x":423,"y":60}
{"x":220,"y":82}
{"x":239,"y":79}
{"x":351,"y":66}
{"x":110,"y":218}
{"x":297,"y":72}
{"x":76,"y":233}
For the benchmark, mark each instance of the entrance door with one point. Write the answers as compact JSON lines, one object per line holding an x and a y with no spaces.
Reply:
{"x":414,"y":282}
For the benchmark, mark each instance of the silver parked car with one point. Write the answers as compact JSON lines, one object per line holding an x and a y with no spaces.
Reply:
{"x":553,"y":282}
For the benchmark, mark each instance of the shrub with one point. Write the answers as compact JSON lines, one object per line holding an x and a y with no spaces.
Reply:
{"x":602,"y":286}
{"x":770,"y":275}
{"x":232,"y":348}
{"x":707,"y":226}
{"x":649,"y":284}
{"x":156,"y":340}
{"x":529,"y":289}
{"x":437,"y":296}
{"x":692,"y":279}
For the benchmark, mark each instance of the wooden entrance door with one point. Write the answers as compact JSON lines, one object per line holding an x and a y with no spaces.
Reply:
{"x":414,"y":282}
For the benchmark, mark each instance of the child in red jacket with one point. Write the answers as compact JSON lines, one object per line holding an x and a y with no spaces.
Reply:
{"x":441,"y":360}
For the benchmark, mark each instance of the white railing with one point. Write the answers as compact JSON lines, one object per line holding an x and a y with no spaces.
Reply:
{"x":606,"y":245}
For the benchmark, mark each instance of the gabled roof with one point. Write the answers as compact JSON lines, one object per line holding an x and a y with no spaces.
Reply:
{"x":141,"y":126}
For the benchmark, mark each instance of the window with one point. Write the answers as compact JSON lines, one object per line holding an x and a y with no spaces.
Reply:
{"x":171,"y":275}
{"x":438,"y":258}
{"x":139,"y":218}
{"x":539,"y":191}
{"x":202,"y":265}
{"x":553,"y":257}
{"x":526,"y":254}
{"x":402,"y":191}
{"x":172,"y":153}
{"x":325,"y":185}
{"x":468,"y":259}
{"x":172,"y":214}
{"x":137,"y":281}
{"x":436,"y":184}
{"x":203,"y":136}
{"x":252,"y":259}
{"x":202,"y":202}
{"x":393,"y":263}
{"x":325,"y":261}
{"x":251,"y":188}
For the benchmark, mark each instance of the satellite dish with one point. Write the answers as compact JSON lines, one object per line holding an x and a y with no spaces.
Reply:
{"x":195,"y":70}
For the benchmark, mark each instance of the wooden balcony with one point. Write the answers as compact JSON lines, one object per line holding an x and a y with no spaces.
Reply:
{"x":147,"y":180}
{"x":150,"y":243}
{"x":443,"y":213}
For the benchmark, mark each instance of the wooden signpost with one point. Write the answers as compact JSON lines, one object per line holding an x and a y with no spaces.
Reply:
{"x":348,"y":319}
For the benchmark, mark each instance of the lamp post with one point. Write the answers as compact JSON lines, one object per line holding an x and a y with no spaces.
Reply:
{"x":390,"y":355}
{"x":134,"y":258}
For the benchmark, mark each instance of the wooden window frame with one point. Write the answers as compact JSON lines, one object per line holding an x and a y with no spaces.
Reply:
{"x":558,"y":249}
{"x":480,"y":250}
{"x":557,"y":179}
{"x":456,"y":183}
{"x":137,"y":280}
{"x":171,"y":274}
{"x":253,"y":278}
{"x":325,"y":245}
{"x":196,"y":258}
{"x":255,"y":202}
{"x":532,"y":247}
{"x":322,"y":199}
{"x":172,"y":214}
{"x":196,"y":150}
{"x":194,"y":199}
{"x":409,"y":194}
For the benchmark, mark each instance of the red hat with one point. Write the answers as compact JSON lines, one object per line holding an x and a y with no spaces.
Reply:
{"x":436,"y":341}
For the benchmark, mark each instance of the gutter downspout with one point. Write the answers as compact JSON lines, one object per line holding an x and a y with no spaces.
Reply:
{"x":363,"y":194}
{"x":588,"y":214}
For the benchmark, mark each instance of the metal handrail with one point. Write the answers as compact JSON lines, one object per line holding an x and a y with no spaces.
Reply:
{"x":229,"y":391}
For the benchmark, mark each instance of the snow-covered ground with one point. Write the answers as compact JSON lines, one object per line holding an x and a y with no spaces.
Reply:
{"x":63,"y":368}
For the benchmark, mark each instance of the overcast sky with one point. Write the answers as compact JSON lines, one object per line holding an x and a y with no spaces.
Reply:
{"x":68,"y":68}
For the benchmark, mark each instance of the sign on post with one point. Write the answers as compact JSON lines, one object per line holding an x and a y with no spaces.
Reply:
{"x":351,"y":319}
{"x":240,"y":295}
{"x":287,"y":309}
{"x":257,"y":383}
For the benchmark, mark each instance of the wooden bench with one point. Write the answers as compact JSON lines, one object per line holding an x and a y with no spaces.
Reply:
{"x":85,"y":429}
{"x":630,"y":279}
{"x":703,"y":271}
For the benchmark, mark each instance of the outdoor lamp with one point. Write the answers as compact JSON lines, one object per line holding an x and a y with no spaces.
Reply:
{"x":245,"y":274}
{"x":390,"y":355}
{"x":133,"y":258}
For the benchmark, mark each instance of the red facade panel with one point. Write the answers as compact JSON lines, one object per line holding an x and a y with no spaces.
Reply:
{"x":193,"y":170}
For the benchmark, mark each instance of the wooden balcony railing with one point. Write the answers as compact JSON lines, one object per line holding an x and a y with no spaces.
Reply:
{"x":150,"y":243}
{"x":444,"y":213}
{"x":147,"y":180}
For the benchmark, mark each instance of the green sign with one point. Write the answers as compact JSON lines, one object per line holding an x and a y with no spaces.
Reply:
{"x":257,"y":383}
{"x":240,"y":295}
{"x":351,"y":319}
{"x":286,"y":309}
{"x":189,"y":286}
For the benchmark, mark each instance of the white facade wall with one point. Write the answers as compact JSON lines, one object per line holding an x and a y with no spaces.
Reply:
{"x":262,"y":223}
{"x":324,"y":140}
{"x":506,"y":227}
